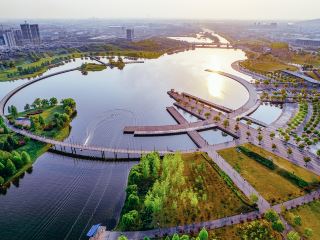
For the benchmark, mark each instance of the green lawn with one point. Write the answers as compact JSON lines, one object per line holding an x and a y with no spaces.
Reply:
{"x":93,"y":67}
{"x":4,"y":73}
{"x":273,"y":187}
{"x":310,"y":216}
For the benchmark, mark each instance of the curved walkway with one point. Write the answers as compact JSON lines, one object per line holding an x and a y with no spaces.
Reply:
{"x":250,"y":106}
{"x":9,"y":95}
{"x":65,"y":146}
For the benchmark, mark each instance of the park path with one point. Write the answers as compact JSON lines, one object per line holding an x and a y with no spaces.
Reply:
{"x":218,"y":223}
{"x":238,"y":180}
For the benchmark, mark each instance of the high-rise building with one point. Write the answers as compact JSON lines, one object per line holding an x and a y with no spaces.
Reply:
{"x":11,"y":42}
{"x":18,"y":37}
{"x":130,"y":34}
{"x":2,"y":40}
{"x":26,"y":32}
{"x":8,"y":37}
{"x":35,"y":33}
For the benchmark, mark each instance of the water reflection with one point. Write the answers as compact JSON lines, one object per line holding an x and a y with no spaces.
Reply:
{"x":216,"y":85}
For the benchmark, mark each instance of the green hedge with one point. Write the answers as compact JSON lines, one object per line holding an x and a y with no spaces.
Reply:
{"x":264,"y":161}
{"x":269,"y":164}
{"x":293,"y":178}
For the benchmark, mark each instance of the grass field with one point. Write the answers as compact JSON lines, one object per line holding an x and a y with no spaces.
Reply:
{"x":273,"y":187}
{"x":285,"y":164}
{"x":266,"y":63}
{"x":93,"y":67}
{"x":310,"y":216}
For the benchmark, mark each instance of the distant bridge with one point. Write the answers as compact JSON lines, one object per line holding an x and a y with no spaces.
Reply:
{"x":212,"y":45}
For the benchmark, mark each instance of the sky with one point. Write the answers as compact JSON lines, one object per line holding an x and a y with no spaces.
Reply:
{"x":182,"y":9}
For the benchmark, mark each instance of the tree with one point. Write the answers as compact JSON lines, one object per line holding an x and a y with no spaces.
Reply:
{"x":41,"y":120}
{"x":271,"y":215}
{"x":297,"y":220}
{"x":226,"y":123}
{"x":129,"y":220}
{"x":249,"y":122}
{"x":1,"y":180}
{"x":133,"y":201}
{"x":25,"y":157}
{"x":184,"y":237}
{"x":286,"y":138}
{"x":274,"y":146}
{"x":27,"y":107}
{"x":37,"y":102}
{"x":10,"y":168}
{"x":306,"y":160}
{"x":248,"y":134}
{"x":2,"y":169}
{"x":272,"y":135}
{"x":254,"y":198}
{"x":260,"y":137}
{"x":68,"y":102}
{"x":175,"y":237}
{"x":292,"y":235}
{"x":308,"y":232}
{"x":17,"y":161}
{"x":259,"y":230}
{"x":53,"y":101}
{"x":318,"y":152}
{"x":44,"y":103}
{"x":122,"y":237}
{"x":289,"y":151}
{"x":236,"y":127}
{"x":68,"y":110}
{"x":203,"y":235}
{"x":216,"y":118}
{"x":278,"y":226}
{"x":14,"y":112}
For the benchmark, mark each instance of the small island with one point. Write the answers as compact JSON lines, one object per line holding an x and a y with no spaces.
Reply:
{"x":43,"y":117}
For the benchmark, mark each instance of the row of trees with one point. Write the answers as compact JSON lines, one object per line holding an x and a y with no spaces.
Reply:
{"x":41,"y":103}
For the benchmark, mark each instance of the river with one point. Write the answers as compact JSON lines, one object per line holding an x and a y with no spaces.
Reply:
{"x":62,"y":197}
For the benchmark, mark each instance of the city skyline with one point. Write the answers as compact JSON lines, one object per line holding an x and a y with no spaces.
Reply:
{"x":203,"y":9}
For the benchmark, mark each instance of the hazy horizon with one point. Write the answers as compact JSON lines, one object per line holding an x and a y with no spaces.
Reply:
{"x":161,"y":9}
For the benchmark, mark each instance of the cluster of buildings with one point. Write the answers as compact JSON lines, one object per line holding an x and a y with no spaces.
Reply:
{"x":28,"y":34}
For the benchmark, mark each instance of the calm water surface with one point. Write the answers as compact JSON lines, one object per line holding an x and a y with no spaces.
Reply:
{"x":63,"y":197}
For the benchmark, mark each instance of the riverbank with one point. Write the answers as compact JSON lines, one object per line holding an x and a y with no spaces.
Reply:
{"x":33,"y":66}
{"x":18,"y":153}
